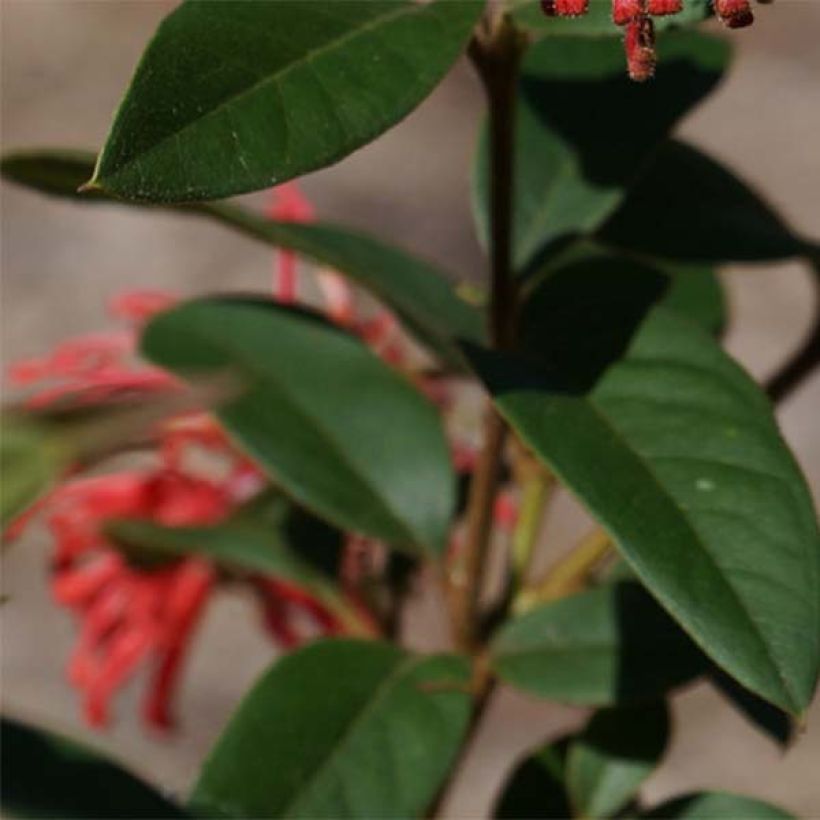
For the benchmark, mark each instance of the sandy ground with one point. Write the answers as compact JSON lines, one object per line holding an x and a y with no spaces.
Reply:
{"x":64,"y":65}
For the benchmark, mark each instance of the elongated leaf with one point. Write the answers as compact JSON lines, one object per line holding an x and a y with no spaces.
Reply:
{"x":46,"y":775}
{"x":617,"y":751}
{"x":340,"y":729}
{"x":232,"y":97}
{"x":416,"y":290}
{"x":688,"y":207}
{"x":598,"y":20}
{"x":676,"y":452}
{"x":570,"y":177}
{"x":536,"y":788}
{"x":272,"y":542}
{"x":346,"y":436}
{"x":720,"y":806}
{"x":611,"y":645}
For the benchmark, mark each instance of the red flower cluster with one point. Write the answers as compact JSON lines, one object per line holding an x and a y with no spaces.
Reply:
{"x":635,"y":16}
{"x":133,"y":616}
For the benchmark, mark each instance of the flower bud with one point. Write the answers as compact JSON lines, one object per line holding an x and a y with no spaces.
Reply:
{"x":660,"y":8}
{"x":625,"y":11}
{"x":734,"y":13}
{"x":564,"y":8}
{"x":640,"y":49}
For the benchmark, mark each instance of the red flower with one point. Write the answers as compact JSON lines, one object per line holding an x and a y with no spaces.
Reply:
{"x":635,"y":16}
{"x":640,"y":48}
{"x":133,"y":616}
{"x":734,"y":13}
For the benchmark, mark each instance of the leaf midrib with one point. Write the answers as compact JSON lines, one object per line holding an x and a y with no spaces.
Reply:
{"x":378,"y":695}
{"x":274,"y":79}
{"x":335,"y":447}
{"x":703,"y":548}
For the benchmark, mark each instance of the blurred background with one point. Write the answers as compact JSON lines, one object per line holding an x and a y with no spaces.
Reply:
{"x":65,"y":64}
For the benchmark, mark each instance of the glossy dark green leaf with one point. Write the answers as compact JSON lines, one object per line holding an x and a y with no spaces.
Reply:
{"x":536,"y":787}
{"x":720,"y":806}
{"x":340,"y":729}
{"x":611,"y":645}
{"x":345,"y":435}
{"x":569,"y":177}
{"x":688,"y":207}
{"x":46,"y":775}
{"x":598,"y":20}
{"x":233,"y":97}
{"x":613,"y":756}
{"x":417,"y":291}
{"x":676,"y":452}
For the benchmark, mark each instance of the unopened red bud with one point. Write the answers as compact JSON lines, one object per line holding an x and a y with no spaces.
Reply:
{"x":640,"y":49}
{"x":734,"y":13}
{"x":625,"y":11}
{"x":660,"y":8}
{"x":564,"y":8}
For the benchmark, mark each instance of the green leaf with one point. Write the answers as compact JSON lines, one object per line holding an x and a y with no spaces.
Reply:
{"x":696,"y":293}
{"x":232,"y":97}
{"x":688,"y":207}
{"x":417,"y":291}
{"x":720,"y":806}
{"x":536,"y":788}
{"x":342,"y":433}
{"x":615,"y":754}
{"x":610,"y":645}
{"x":340,"y":729}
{"x":32,"y":458}
{"x":597,"y":21}
{"x":569,"y":177}
{"x":272,"y":542}
{"x":56,"y":172}
{"x":676,"y":452}
{"x":46,"y":775}
{"x":768,"y":719}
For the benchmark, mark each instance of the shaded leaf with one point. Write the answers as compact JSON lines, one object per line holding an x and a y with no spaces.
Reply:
{"x":46,"y":775}
{"x":598,"y":20}
{"x":230,"y":98}
{"x":768,"y":719}
{"x":417,"y":291}
{"x":56,"y":172}
{"x":582,"y":316}
{"x":340,"y":729}
{"x":613,"y":756}
{"x":676,"y":452}
{"x":718,"y":805}
{"x":610,"y":645}
{"x":321,"y":412}
{"x":570,"y":177}
{"x":536,"y":788}
{"x":688,"y":207}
